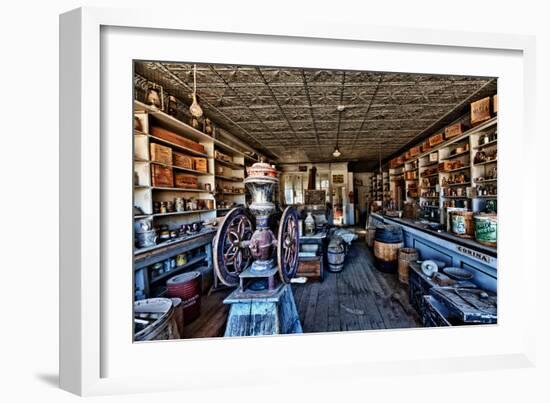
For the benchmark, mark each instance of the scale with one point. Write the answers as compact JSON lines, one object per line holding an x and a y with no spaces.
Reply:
{"x":248,"y":255}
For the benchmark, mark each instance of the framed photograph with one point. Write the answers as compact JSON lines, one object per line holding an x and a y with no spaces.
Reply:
{"x":187,"y":151}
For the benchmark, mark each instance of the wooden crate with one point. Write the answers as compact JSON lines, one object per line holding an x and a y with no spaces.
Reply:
{"x":446,"y":166}
{"x":400,"y":160}
{"x":200,"y":164}
{"x":161,"y":176}
{"x":454,"y":130}
{"x":426,"y":146}
{"x":480,"y":111}
{"x":414,"y":151}
{"x":310,"y":267}
{"x":177,"y":139}
{"x":436,"y":139}
{"x":160,"y":153}
{"x":182,"y":160}
{"x":184,"y":181}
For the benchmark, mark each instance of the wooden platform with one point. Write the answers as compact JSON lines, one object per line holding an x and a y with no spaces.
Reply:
{"x":358,"y":298}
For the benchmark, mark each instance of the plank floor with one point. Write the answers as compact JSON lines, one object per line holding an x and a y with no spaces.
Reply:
{"x":358,"y":298}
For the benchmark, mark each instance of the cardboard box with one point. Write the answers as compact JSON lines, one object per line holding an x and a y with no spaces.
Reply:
{"x":414,"y":151}
{"x":160,"y":153}
{"x":495,"y":104}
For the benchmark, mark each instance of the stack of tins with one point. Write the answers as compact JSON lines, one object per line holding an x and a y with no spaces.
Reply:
{"x":154,"y":319}
{"x":486,"y":229}
{"x":371,"y":231}
{"x":406,"y":256}
{"x":388,"y":239}
{"x":186,"y":286}
{"x":462,"y":224}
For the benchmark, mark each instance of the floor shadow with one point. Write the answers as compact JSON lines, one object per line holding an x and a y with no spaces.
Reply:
{"x":49,"y":379}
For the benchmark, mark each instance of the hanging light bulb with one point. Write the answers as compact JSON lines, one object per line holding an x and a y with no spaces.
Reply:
{"x":336,"y":153}
{"x":195,"y":108}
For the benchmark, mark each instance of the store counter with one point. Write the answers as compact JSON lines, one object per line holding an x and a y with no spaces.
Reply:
{"x":453,"y":250}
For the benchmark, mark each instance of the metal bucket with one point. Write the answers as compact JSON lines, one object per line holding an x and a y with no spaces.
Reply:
{"x":154,"y":320}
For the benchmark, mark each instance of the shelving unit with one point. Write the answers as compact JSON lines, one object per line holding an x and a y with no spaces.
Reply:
{"x":432,"y":182}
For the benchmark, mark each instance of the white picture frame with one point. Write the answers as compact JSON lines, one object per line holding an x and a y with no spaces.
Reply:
{"x":96,"y":352}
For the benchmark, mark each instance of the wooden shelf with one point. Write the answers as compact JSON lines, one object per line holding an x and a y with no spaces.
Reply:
{"x":430,"y":197}
{"x":452,"y":157}
{"x":449,"y":185}
{"x":177,"y":168}
{"x":231,"y":193}
{"x":456,"y":197}
{"x":229,"y":178}
{"x":180,"y":190}
{"x":431,"y":164}
{"x":173,"y":213}
{"x":485,"y":163}
{"x":455,"y":170}
{"x":490,"y":143}
{"x":182,"y":213}
{"x":479,"y":128}
{"x":485,"y":181}
{"x":485,"y":197}
{"x":429,"y":176}
{"x":228,"y":164}
{"x":193,"y":261}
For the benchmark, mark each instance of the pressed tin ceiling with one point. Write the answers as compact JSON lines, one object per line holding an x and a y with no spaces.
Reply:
{"x":292,"y":114}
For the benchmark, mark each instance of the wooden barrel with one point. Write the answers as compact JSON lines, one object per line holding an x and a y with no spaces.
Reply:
{"x":462,"y":224}
{"x":335,"y":255}
{"x":154,"y":320}
{"x":371,"y":231}
{"x":186,"y":286}
{"x":486,"y":226}
{"x":406,"y":255}
{"x":388,"y":239}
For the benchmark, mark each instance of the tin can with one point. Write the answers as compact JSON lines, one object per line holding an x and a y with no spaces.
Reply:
{"x":208,"y":187}
{"x":179,"y":203}
{"x":170,"y":206}
{"x":163,"y":207}
{"x":156,"y":207}
{"x":181,"y":259}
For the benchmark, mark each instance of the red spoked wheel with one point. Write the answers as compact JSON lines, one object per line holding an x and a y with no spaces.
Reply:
{"x":231,"y":254}
{"x":288,"y":242}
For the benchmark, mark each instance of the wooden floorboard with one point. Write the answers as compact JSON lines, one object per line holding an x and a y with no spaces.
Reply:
{"x":358,"y":298}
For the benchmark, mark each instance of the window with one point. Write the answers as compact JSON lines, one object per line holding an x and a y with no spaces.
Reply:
{"x":296,"y":183}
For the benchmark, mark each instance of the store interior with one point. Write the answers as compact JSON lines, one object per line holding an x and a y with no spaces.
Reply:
{"x":275,"y":200}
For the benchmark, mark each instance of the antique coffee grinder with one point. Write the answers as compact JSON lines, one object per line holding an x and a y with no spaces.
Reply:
{"x":247,"y":254}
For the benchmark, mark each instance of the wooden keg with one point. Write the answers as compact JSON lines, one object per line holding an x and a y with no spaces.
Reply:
{"x":462,"y":224}
{"x":388,"y":239}
{"x":336,"y":255}
{"x":154,"y":320}
{"x":178,"y":314}
{"x":406,"y":256}
{"x":486,"y":226}
{"x":371,"y":231}
{"x":186,"y":286}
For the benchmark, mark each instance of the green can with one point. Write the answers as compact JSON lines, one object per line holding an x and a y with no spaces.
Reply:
{"x":486,"y":226}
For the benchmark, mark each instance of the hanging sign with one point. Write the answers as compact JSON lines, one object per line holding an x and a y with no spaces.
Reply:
{"x":338,"y":178}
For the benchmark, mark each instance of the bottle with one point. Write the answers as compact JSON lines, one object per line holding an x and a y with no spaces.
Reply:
{"x":309,"y":224}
